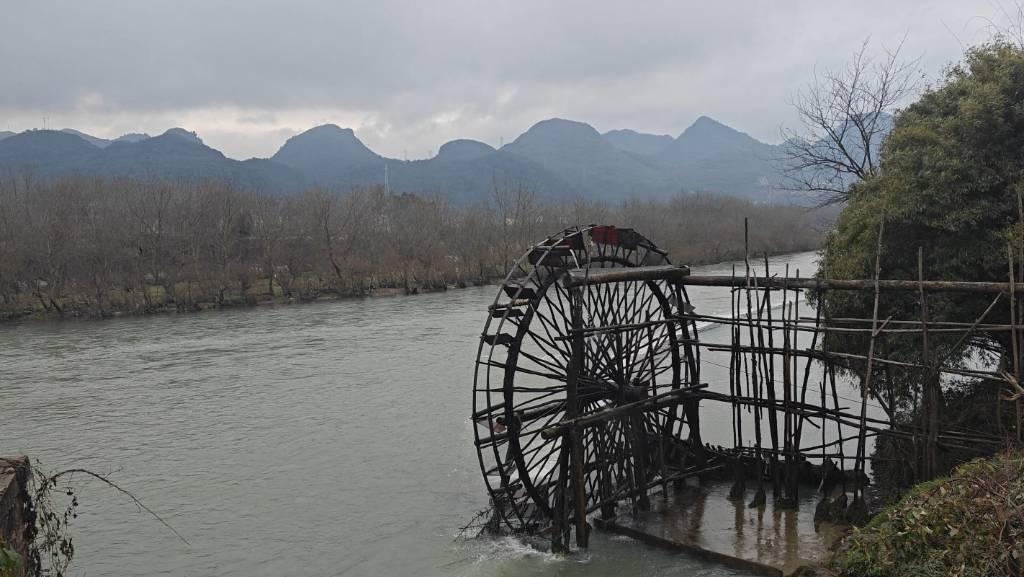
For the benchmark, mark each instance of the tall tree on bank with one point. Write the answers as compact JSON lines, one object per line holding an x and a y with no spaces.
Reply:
{"x":843,"y":116}
{"x":950,"y":183}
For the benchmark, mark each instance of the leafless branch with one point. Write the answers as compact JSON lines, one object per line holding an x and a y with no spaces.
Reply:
{"x":844,"y":115}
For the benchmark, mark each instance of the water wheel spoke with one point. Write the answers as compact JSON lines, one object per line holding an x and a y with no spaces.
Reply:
{"x":525,"y":382}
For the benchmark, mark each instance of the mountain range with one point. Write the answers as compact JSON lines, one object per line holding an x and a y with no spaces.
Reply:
{"x":558,"y":158}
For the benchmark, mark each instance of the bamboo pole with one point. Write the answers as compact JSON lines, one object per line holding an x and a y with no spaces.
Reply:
{"x":773,"y":421}
{"x":788,"y":413}
{"x":822,"y":355}
{"x":846,"y":284}
{"x":866,"y":382}
{"x":940,"y":327}
{"x":759,"y":499}
{"x":930,"y":397}
{"x":738,"y":489}
{"x":1015,"y":345}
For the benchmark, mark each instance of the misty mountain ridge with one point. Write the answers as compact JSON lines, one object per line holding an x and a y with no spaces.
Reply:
{"x":638,"y":142}
{"x":463,"y":149}
{"x":327,"y":154}
{"x":103,"y":142}
{"x":558,"y":158}
{"x":93,"y":140}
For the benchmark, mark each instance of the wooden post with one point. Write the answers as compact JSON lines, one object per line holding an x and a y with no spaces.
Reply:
{"x":1013,"y":338}
{"x":1014,"y":320}
{"x":787,"y":414}
{"x":773,"y":421}
{"x":866,"y":382}
{"x":605,"y":472}
{"x":803,"y":388}
{"x":739,"y":485}
{"x":666,"y":432}
{"x":759,"y":495}
{"x":559,"y":529}
{"x":931,"y":401}
{"x":571,"y":412}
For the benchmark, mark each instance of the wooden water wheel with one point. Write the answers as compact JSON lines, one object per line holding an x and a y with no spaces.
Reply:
{"x":581,"y":383}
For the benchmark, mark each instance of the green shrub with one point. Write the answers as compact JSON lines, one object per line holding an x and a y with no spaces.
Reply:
{"x":970,"y":524}
{"x":10,"y":561}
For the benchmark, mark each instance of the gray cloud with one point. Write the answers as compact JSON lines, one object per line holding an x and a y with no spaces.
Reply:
{"x":410,"y":75}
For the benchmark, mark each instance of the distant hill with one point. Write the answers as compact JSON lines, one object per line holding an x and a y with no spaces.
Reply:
{"x":328,"y":155}
{"x":557,"y":158}
{"x":176,"y":154}
{"x":638,"y":142}
{"x":97,"y":142}
{"x":710,"y":156}
{"x":103,"y":142}
{"x":186,"y":135}
{"x":463,"y":149}
{"x":578,"y":153}
{"x":5,"y":133}
{"x":47,"y":152}
{"x":132,"y":137}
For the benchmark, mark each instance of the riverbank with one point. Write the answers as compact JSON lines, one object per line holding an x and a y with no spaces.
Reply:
{"x":970,"y":523}
{"x":185,"y":298}
{"x":160,"y":299}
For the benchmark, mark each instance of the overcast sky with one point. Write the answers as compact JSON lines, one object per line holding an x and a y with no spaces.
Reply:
{"x":409,"y":76}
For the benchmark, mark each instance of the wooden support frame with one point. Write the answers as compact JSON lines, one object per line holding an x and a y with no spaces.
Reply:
{"x":564,"y":299}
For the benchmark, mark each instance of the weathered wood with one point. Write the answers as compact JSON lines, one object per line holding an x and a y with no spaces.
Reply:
{"x":1014,"y":339}
{"x":931,"y":385}
{"x":597,"y":276}
{"x":591,"y":426}
{"x":866,"y":380}
{"x":773,"y":419}
{"x":834,"y":284}
{"x":572,"y":412}
{"x":666,"y":399}
{"x":17,"y":512}
{"x":825,"y":356}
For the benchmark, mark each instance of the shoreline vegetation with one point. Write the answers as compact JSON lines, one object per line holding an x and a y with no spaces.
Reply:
{"x":970,"y":523}
{"x":86,"y":247}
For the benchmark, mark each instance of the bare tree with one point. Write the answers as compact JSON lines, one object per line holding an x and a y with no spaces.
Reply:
{"x":95,"y":246}
{"x":474,"y":240}
{"x":517,"y":211}
{"x":268,"y":229}
{"x":149,"y":207}
{"x":231,"y":229}
{"x":843,"y":117}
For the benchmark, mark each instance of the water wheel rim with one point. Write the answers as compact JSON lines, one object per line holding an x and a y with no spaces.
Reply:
{"x":516,"y":515}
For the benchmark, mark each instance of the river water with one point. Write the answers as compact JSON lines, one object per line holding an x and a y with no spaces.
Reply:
{"x":304,"y":440}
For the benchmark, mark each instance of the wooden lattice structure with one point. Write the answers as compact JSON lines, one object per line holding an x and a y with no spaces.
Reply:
{"x":588,"y":391}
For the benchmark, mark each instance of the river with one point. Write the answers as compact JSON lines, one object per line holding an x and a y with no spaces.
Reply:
{"x":302,"y":440}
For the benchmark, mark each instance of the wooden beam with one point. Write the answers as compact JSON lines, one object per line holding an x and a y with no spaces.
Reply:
{"x":649,"y":404}
{"x":833,"y":284}
{"x":595,"y":276}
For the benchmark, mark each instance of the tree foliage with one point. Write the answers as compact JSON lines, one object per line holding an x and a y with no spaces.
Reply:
{"x":951,"y":177}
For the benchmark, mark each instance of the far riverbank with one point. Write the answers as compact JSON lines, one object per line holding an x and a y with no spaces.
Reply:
{"x":161,"y":299}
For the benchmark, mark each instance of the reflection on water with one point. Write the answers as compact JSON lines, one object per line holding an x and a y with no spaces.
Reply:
{"x":323,"y":439}
{"x":706,"y":518}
